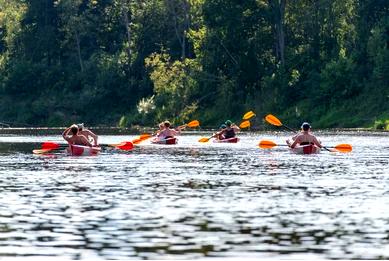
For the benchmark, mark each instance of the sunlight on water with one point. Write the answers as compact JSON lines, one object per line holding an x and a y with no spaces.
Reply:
{"x":194,"y":200}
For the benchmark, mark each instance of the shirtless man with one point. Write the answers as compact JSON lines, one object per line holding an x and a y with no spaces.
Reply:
{"x":75,"y":138}
{"x":87,"y":133}
{"x":168,"y":132}
{"x":304,"y":138}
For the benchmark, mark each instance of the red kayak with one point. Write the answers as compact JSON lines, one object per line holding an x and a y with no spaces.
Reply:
{"x":230,"y":140}
{"x":168,"y":141}
{"x":306,"y":149}
{"x":79,"y":150}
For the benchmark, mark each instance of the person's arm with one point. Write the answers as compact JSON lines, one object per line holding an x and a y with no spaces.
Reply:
{"x":176,"y":132}
{"x":85,"y":141}
{"x":94,"y":136}
{"x":236,"y":128}
{"x":316,"y":142}
{"x":217,"y":134}
{"x":182,"y":127}
{"x":295,"y":142}
{"x":65,"y":134}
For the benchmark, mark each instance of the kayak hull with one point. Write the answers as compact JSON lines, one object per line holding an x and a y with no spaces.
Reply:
{"x":306,"y":149}
{"x":79,"y":150}
{"x":230,"y":140}
{"x":169,"y":141}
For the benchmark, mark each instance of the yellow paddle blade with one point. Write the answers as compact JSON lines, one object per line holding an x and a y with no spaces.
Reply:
{"x":245,"y":124}
{"x":273,"y":120}
{"x":204,"y":139}
{"x":248,"y":115}
{"x":344,"y":148}
{"x":266,"y":144}
{"x":193,"y":124}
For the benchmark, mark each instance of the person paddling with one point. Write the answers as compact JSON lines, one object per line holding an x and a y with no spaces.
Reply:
{"x":304,"y":138}
{"x":87,"y":133}
{"x":219,"y":135}
{"x":75,"y":138}
{"x":167,"y":132}
{"x":230,"y":130}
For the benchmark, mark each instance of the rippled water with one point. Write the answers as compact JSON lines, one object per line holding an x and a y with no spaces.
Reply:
{"x":195,"y":200}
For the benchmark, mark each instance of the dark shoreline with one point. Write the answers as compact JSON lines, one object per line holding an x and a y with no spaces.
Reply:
{"x":135,"y":130}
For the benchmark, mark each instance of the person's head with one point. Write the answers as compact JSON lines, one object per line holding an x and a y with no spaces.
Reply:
{"x":305,"y":126}
{"x":166,"y":124}
{"x":223,"y":126}
{"x":74,"y":129}
{"x":80,"y":126}
{"x":161,"y":125}
{"x":228,"y":123}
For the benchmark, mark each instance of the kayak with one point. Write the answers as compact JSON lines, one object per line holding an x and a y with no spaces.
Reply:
{"x":306,"y":149}
{"x":169,"y":141}
{"x":79,"y":150}
{"x":230,"y":140}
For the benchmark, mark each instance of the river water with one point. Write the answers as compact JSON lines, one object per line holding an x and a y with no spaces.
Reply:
{"x":196,"y":200}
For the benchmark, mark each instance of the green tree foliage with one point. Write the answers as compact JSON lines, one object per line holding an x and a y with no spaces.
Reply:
{"x":132,"y":62}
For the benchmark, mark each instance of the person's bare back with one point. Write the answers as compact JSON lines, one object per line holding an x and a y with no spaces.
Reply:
{"x":75,"y":138}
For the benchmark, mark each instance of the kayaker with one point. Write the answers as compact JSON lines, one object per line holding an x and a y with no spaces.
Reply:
{"x":75,"y":138}
{"x":230,"y":130}
{"x":219,"y":135}
{"x":168,"y":132}
{"x":304,"y":138}
{"x":87,"y":133}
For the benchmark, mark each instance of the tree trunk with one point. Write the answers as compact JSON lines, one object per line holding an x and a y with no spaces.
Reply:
{"x":79,"y":51}
{"x":127,"y":25}
{"x":278,"y":9}
{"x":180,"y":29}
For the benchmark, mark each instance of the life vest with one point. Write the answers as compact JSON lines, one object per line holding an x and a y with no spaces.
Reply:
{"x":229,"y":134}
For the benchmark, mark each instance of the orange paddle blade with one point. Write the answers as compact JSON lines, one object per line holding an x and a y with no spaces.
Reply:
{"x":248,"y":115}
{"x":245,"y":124}
{"x":204,"y":139}
{"x":137,"y":141}
{"x":193,"y":124}
{"x":273,"y":120}
{"x":141,"y":138}
{"x":344,"y":148}
{"x":266,"y":144}
{"x":145,"y":136}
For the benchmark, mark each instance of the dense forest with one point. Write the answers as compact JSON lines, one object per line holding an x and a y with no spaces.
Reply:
{"x":137,"y":62}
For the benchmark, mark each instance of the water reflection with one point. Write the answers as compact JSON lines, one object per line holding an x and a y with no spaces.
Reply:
{"x":196,"y":200}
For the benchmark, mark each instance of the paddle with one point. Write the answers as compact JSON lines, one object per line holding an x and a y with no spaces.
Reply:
{"x":206,"y":139}
{"x":143,"y":137}
{"x":245,"y":124}
{"x":275,"y":121}
{"x":248,"y":115}
{"x":268,"y":144}
{"x":48,"y":146}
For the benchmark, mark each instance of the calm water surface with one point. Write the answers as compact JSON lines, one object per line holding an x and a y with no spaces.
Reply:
{"x":196,"y":200}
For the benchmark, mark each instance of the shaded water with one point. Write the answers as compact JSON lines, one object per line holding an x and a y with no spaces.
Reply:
{"x":195,"y":200}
